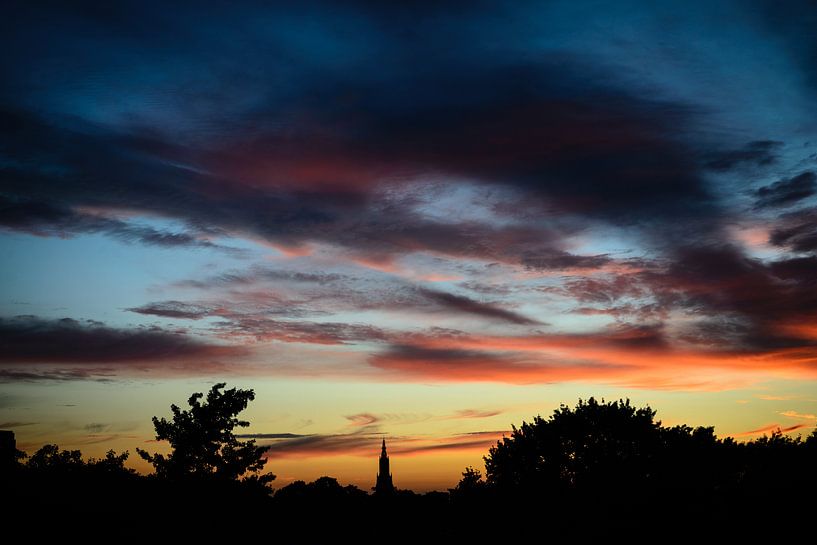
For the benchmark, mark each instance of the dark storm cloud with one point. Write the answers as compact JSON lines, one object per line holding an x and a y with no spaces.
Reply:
{"x":557,"y":129}
{"x":306,"y":156}
{"x":123,"y":178}
{"x":787,"y":192}
{"x":28,"y":339}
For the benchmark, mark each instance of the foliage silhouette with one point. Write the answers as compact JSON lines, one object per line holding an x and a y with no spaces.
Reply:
{"x":616,"y":465}
{"x":203,"y":443}
{"x":471,"y":487}
{"x":594,"y":445}
{"x":49,"y":458}
{"x":321,"y":491}
{"x":596,"y":470}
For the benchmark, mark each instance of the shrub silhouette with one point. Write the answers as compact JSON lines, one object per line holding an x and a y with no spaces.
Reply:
{"x":203,"y":443}
{"x":50,"y":459}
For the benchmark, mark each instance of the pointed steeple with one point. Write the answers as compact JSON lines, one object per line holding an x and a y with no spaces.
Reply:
{"x":384,"y":483}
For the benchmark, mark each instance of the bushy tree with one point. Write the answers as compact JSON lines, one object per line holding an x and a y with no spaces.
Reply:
{"x":596,"y":444}
{"x":203,"y":443}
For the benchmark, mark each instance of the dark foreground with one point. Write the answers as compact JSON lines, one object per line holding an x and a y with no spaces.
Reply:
{"x":115,"y":508}
{"x":599,"y":472}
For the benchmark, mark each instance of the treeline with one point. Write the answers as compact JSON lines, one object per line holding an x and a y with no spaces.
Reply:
{"x":604,"y":467}
{"x":598,"y":470}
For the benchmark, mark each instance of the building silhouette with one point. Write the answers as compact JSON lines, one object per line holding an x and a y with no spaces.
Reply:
{"x":8,"y":450}
{"x":384,"y":484}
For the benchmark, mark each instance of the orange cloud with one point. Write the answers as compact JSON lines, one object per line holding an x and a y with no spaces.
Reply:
{"x":367,"y":444}
{"x":795,"y":414}
{"x":632,"y":356}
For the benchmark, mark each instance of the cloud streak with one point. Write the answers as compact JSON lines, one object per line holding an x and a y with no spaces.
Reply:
{"x":368,"y":444}
{"x":35,"y":349}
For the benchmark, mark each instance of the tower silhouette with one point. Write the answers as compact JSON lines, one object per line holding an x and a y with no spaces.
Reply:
{"x":384,"y":484}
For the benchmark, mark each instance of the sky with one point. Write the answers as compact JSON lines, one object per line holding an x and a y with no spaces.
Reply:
{"x":424,"y":221}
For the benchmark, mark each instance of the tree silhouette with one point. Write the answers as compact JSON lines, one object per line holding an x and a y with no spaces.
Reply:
{"x":594,"y":445}
{"x":203,"y":443}
{"x":52,"y":462}
{"x":471,"y":487}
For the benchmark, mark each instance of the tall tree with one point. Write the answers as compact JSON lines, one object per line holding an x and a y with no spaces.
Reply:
{"x":203,"y":443}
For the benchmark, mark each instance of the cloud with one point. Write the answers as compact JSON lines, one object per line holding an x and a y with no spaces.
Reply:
{"x":326,"y":333}
{"x":28,"y":339}
{"x":467,"y":305}
{"x":49,"y":220}
{"x":104,"y":374}
{"x":795,"y":414}
{"x":15,"y":424}
{"x":787,"y":192}
{"x":731,"y":300}
{"x":266,"y":316}
{"x":563,"y":260}
{"x":173,"y":309}
{"x":368,"y":444}
{"x":258,"y":274}
{"x":770,"y":428}
{"x":796,"y":231}
{"x":620,"y":354}
{"x":557,"y":134}
{"x":465,"y":365}
{"x":96,"y":428}
{"x":362,"y":419}
{"x":270,"y":435}
{"x":542,"y":172}
{"x":759,"y":153}
{"x":475,"y":413}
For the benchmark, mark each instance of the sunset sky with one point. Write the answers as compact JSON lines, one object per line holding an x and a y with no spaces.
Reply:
{"x":419,"y":221}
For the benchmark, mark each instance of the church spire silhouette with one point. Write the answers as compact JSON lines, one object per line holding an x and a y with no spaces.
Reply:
{"x":384,"y":483}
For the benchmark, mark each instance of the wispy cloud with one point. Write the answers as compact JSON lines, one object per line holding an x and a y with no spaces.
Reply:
{"x":368,"y":444}
{"x":801,"y":416}
{"x":770,"y":428}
